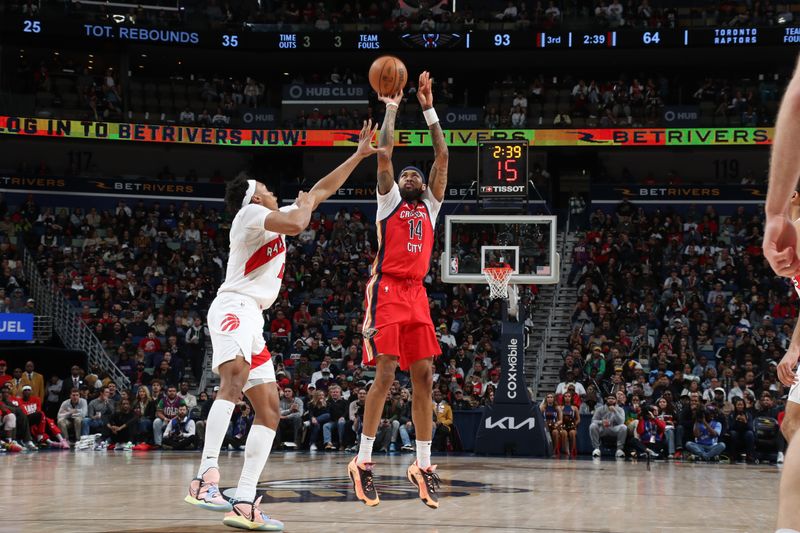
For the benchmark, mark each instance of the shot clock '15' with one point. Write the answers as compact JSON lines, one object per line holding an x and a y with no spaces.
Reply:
{"x":503,"y":169}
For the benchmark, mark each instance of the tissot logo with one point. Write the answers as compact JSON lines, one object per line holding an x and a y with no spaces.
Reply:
{"x":509,"y":422}
{"x":502,"y":188}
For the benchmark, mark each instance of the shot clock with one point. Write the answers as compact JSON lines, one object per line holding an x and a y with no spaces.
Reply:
{"x":503,"y":169}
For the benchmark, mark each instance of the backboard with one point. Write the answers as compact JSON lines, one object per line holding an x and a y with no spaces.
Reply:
{"x":526,"y":243}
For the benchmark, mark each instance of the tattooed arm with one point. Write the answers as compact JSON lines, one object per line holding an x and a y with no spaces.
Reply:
{"x":386,"y":143}
{"x":437,"y":181}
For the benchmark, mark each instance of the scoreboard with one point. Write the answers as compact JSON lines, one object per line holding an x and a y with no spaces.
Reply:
{"x":247,"y":37}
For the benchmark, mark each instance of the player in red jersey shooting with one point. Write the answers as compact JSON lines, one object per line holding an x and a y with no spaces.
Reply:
{"x":398,"y":330}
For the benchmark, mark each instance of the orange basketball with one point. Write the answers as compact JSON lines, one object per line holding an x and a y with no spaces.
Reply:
{"x":388,"y":75}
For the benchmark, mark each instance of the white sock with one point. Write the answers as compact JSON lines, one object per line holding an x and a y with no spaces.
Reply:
{"x":784,"y":530}
{"x":256,"y":453}
{"x":423,"y":454}
{"x":219,"y":416}
{"x":365,"y":449}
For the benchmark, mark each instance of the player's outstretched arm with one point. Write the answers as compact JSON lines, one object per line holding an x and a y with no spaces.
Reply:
{"x":780,"y":242}
{"x":437,"y":181}
{"x":328,"y":185}
{"x":294,"y":221}
{"x":386,"y":143}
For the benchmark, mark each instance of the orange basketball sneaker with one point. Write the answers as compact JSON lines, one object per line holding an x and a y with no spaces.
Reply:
{"x":362,"y":482}
{"x":427,"y":482}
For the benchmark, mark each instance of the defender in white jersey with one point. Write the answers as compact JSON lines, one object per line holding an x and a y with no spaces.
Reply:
{"x":786,"y":368}
{"x":252,"y":282}
{"x":780,"y":247}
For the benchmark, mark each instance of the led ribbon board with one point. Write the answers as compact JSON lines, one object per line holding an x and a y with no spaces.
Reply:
{"x":455,"y":138}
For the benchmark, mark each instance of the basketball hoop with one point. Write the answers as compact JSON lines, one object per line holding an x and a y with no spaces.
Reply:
{"x":498,"y":278}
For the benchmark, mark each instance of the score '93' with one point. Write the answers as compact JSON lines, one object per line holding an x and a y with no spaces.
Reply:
{"x":502,"y":40}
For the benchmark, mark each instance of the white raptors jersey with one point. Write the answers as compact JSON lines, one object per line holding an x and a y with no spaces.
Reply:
{"x":796,"y":283}
{"x":257,"y":256}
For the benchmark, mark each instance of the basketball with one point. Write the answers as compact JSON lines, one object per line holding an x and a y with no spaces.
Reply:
{"x":388,"y":75}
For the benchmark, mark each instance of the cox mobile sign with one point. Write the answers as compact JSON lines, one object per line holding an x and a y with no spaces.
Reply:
{"x":16,"y":327}
{"x":513,"y":424}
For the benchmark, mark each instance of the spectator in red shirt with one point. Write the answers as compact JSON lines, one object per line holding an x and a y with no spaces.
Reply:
{"x":280,"y":325}
{"x":150,"y":345}
{"x":4,"y":378}
{"x":43,"y":429}
{"x":708,"y":226}
{"x":301,"y":315}
{"x":781,"y":310}
{"x":8,"y":402}
{"x":624,"y":339}
{"x":457,"y":312}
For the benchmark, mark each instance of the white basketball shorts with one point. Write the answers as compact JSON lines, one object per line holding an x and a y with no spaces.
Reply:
{"x":237,"y":329}
{"x":794,"y":392}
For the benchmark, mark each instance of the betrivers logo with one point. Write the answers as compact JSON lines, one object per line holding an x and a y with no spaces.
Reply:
{"x":759,"y":193}
{"x":587,"y":137}
{"x":347,"y":136}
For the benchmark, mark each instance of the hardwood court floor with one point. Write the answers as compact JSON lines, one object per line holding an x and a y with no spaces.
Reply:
{"x":143,"y":492}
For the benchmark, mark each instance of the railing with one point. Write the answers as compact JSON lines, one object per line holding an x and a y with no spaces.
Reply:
{"x":42,"y":328}
{"x":548,"y":328}
{"x":69,"y":326}
{"x":207,"y":373}
{"x":127,"y":6}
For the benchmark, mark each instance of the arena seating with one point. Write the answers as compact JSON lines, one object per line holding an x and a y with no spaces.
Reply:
{"x":674,"y":303}
{"x":412,"y":15}
{"x":139,"y":274}
{"x":542,"y":101}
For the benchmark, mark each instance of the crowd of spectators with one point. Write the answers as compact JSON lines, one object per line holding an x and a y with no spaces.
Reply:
{"x":629,"y":100}
{"x":678,"y":326}
{"x":747,"y":104}
{"x":545,"y":100}
{"x":413,"y":15}
{"x":141,"y":278}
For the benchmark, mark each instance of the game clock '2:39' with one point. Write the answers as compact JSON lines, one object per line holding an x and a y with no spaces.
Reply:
{"x":503,"y":169}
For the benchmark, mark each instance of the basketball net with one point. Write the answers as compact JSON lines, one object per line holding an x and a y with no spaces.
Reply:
{"x":498,"y":278}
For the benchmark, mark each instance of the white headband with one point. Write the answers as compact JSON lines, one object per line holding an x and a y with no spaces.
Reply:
{"x":251,"y":190}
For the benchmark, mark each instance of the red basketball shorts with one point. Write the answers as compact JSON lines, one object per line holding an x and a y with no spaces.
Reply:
{"x":397,"y":321}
